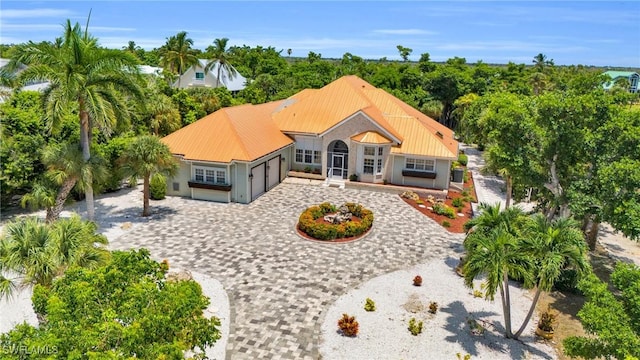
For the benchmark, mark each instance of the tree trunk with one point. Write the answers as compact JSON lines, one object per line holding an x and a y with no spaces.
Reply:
{"x":507,"y":307}
{"x":509,"y":183}
{"x":145,"y":195}
{"x":529,"y":314}
{"x":592,"y":237}
{"x":54,"y":212}
{"x":85,"y":143}
{"x":218,"y":78}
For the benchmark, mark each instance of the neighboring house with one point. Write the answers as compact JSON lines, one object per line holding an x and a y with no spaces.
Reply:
{"x":149,"y":70}
{"x":5,"y":92}
{"x":632,"y":77}
{"x":347,"y":127}
{"x":197,"y":77}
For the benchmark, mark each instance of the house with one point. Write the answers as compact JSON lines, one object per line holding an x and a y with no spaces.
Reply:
{"x":197,"y":77}
{"x":5,"y":92}
{"x":348,"y":127}
{"x":631,"y":76}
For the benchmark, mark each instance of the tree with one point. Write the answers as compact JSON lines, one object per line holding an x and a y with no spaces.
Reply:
{"x":84,"y":77}
{"x":67,"y":168}
{"x":404,"y":52}
{"x":496,"y":254}
{"x":37,"y":252}
{"x":554,"y":246}
{"x":612,"y":319}
{"x":126,"y":308}
{"x":492,"y":249}
{"x":177,"y":55}
{"x":145,"y":156}
{"x":220,"y":57}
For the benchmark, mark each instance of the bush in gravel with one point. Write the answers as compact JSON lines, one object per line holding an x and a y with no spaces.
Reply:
{"x":433,"y":307}
{"x":369,"y":305}
{"x":415,"y":327}
{"x":348,"y":325}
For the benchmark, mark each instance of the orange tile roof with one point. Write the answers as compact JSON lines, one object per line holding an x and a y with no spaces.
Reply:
{"x":244,"y":133}
{"x":248,"y":132}
{"x":316,"y":111}
{"x":371,"y":137}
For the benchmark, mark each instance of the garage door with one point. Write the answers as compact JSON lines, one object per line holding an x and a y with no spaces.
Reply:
{"x":257,"y":181}
{"x":273,"y":167}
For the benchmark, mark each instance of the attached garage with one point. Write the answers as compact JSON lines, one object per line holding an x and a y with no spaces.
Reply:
{"x":258,"y":178}
{"x":273,"y":168}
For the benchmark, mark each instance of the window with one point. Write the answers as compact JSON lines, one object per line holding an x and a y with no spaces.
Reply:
{"x":210,"y":175}
{"x":368,"y":166}
{"x":369,"y":151}
{"x":306,"y":156}
{"x":199,"y":76}
{"x":373,"y":160}
{"x":420,"y":164}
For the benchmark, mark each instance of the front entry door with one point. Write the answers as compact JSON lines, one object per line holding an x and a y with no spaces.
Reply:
{"x":338,"y":166}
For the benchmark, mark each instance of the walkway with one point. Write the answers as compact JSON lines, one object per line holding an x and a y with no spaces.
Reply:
{"x":280,"y":285}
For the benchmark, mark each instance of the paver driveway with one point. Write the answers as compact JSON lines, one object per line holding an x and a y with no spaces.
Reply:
{"x":279,"y":285}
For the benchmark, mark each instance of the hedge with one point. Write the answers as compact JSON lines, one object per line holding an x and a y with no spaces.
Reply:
{"x":321,"y":231}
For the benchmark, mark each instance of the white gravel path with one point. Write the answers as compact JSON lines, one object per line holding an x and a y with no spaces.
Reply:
{"x":384,"y":333}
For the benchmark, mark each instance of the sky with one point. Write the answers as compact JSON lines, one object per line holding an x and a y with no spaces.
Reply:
{"x":600,"y":33}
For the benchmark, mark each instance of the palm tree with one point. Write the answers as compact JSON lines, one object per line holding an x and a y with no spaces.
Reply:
{"x":492,"y":249}
{"x":220,"y":56}
{"x":145,"y":156}
{"x":67,"y":168}
{"x":554,"y":246}
{"x":177,"y":55}
{"x":37,"y":252}
{"x":83,"y":78}
{"x":497,"y":256}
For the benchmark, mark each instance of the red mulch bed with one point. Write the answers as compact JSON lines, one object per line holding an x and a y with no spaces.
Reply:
{"x":457,"y":223}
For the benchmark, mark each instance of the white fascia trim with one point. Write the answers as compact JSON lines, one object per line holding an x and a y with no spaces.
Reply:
{"x":360,"y":112}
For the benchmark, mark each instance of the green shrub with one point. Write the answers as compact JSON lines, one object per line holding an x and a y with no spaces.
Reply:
{"x":369,"y":305}
{"x":446,"y":223}
{"x":457,"y":202}
{"x":158,"y":187}
{"x":442,"y":209}
{"x":321,"y":231}
{"x":463,"y":159}
{"x":415,"y":327}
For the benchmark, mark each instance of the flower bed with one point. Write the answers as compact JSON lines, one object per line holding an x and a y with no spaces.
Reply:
{"x":312,"y":223}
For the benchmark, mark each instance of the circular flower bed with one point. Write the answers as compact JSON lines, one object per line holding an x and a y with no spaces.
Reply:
{"x":312,"y":222}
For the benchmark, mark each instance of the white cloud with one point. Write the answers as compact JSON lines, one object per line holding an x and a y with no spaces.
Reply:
{"x":34,"y":13}
{"x":404,"y":32}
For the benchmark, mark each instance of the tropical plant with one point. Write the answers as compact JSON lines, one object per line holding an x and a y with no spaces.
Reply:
{"x":496,"y":255}
{"x":415,"y":327}
{"x":37,"y":252}
{"x":177,"y":55}
{"x":145,"y":156}
{"x":369,"y":305}
{"x":158,"y":187}
{"x":348,"y":325}
{"x":553,"y":246}
{"x":67,"y":168}
{"x":84,"y":78}
{"x":126,"y":308}
{"x":220,"y":56}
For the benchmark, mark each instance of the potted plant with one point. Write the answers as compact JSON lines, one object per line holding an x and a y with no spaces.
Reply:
{"x":353,"y":177}
{"x":417,"y":281}
{"x":546,"y":324}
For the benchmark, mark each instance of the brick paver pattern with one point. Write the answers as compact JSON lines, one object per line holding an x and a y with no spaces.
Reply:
{"x":279,"y":284}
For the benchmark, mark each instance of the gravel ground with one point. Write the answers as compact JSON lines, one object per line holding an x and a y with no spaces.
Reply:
{"x":384,"y":333}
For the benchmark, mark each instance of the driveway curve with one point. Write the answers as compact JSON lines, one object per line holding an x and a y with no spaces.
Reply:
{"x":280,"y":285}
